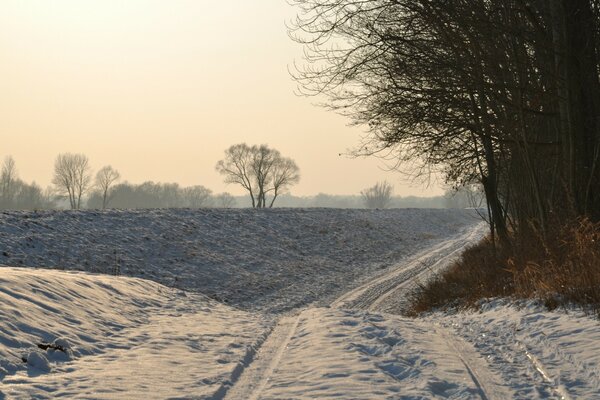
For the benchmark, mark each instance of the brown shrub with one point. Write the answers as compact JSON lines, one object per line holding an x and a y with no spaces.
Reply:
{"x":561,"y":268}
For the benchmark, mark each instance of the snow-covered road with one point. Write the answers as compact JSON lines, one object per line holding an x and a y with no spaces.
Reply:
{"x":315,"y":354}
{"x":355,"y":349}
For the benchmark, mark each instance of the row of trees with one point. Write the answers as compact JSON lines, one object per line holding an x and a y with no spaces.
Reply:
{"x":16,"y":194}
{"x":160,"y":195}
{"x":74,"y":183}
{"x":503,"y":93}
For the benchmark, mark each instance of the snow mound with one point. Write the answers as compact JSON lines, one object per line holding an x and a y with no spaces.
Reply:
{"x":268,"y":260}
{"x":71,"y":334}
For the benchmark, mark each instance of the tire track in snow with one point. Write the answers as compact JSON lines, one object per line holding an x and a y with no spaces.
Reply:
{"x":476,"y":367}
{"x":370,"y":295}
{"x":254,"y":379}
{"x":556,"y":387}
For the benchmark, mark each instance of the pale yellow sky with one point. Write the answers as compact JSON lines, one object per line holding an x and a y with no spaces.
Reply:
{"x":159,"y":89}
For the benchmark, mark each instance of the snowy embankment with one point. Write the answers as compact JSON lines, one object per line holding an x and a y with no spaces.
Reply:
{"x":267,"y":260}
{"x":116,"y":338}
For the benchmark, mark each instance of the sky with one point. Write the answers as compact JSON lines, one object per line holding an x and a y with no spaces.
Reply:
{"x":159,"y":89}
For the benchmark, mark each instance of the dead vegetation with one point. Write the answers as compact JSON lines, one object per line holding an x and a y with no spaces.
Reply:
{"x":562,"y":268}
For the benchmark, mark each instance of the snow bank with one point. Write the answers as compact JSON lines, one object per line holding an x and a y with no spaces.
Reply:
{"x":110,"y":337}
{"x":268,"y":260}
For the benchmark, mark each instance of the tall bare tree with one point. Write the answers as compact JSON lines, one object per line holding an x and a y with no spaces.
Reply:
{"x":72,"y":177}
{"x":285,"y":173}
{"x":237,"y":168}
{"x":106,"y":177}
{"x":260,"y":170}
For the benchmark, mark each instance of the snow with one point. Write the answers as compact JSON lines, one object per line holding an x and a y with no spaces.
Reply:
{"x":125,"y":337}
{"x":308,"y":294}
{"x":266,"y":260}
{"x":355,"y":354}
{"x":556,"y":350}
{"x":337,"y":353}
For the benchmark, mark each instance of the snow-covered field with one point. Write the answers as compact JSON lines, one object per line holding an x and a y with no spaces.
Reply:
{"x":310,"y":293}
{"x":268,"y":260}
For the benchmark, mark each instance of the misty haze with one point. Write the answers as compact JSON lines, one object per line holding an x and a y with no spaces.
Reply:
{"x":300,"y":199}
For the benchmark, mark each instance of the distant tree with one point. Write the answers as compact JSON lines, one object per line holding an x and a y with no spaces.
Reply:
{"x":378,"y":196}
{"x":72,"y":177}
{"x":259,"y":170}
{"x":224,"y":200}
{"x":284,"y":173}
{"x":8,"y":179}
{"x":196,"y":196}
{"x":30,"y":197}
{"x":105,"y":180}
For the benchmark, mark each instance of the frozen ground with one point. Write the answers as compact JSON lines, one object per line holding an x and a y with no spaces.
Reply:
{"x":340,"y":276}
{"x":267,"y":260}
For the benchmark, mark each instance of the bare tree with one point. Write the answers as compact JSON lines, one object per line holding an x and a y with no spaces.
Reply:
{"x":72,"y":177}
{"x":260,"y":170}
{"x":378,"y":196}
{"x":225,"y":200}
{"x":105,"y":179}
{"x":8,"y":180}
{"x":196,"y":196}
{"x":237,"y":168}
{"x":285,"y":173}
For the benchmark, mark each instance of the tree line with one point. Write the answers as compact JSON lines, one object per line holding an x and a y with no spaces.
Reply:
{"x":262,"y":171}
{"x":75,"y":186}
{"x":501,"y":93}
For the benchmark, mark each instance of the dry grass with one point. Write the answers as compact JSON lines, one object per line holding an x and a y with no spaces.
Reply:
{"x":562,"y":268}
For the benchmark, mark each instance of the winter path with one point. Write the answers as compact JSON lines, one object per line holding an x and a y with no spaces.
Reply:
{"x":256,"y":376}
{"x":325,"y":348}
{"x":388,"y":290}
{"x":353,"y":350}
